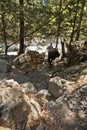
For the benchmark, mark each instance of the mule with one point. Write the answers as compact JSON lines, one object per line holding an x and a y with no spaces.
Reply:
{"x":52,"y":55}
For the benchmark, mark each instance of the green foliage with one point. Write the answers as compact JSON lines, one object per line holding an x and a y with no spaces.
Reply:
{"x":47,"y":18}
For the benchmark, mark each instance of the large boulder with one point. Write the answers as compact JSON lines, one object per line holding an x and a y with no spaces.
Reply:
{"x":15,"y":110}
{"x":57,"y":86}
{"x":16,"y":105}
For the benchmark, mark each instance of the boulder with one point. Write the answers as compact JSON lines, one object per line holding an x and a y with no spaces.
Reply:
{"x":4,"y":66}
{"x":28,"y":87}
{"x":4,"y":128}
{"x":57,"y":86}
{"x":15,"y":109}
{"x":16,"y":105}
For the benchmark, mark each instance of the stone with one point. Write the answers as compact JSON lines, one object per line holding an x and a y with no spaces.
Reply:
{"x":16,"y":109}
{"x":4,"y":128}
{"x":40,"y":127}
{"x":55,"y":87}
{"x":28,"y":87}
{"x":4,"y":66}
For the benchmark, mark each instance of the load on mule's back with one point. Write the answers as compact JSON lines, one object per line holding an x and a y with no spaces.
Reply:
{"x":52,"y":54}
{"x":32,"y":60}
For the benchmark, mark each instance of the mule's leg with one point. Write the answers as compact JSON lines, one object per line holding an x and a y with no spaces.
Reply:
{"x":49,"y":62}
{"x":50,"y":58}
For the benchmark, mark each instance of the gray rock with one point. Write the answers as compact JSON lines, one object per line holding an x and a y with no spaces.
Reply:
{"x":55,"y":87}
{"x":28,"y":87}
{"x":4,"y":66}
{"x":40,"y":127}
{"x":50,"y":105}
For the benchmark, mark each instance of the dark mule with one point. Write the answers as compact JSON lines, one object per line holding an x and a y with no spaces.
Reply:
{"x":52,"y":55}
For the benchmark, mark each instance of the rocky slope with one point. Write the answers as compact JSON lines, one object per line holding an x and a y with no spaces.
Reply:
{"x":45,"y":99}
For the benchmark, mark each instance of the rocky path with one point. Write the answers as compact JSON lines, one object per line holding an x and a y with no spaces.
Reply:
{"x":54,"y":99}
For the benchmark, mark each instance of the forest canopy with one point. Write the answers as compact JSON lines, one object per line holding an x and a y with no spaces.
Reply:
{"x":20,"y":19}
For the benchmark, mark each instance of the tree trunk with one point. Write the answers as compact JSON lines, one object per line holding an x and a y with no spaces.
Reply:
{"x":80,"y":20}
{"x":21,"y":50}
{"x":4,"y":33}
{"x":59,"y":22}
{"x":74,"y":24}
{"x":63,"y":48}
